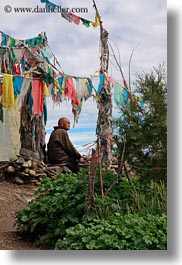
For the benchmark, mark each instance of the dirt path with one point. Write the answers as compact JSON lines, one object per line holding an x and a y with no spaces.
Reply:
{"x":12,"y":199}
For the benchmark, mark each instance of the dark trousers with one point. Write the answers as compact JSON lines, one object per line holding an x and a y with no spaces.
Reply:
{"x":73,"y":164}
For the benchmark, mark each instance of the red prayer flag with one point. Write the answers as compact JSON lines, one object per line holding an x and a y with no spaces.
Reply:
{"x":76,"y":19}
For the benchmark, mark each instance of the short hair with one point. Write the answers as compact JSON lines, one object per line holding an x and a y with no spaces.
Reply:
{"x":60,"y":120}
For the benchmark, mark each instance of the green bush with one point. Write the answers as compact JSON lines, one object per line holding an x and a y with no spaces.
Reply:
{"x":128,"y":232}
{"x":59,"y":204}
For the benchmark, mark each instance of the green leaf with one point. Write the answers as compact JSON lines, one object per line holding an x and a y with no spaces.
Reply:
{"x":24,"y":218}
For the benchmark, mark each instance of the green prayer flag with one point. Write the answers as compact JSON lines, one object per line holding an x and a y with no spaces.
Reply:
{"x":85,"y":22}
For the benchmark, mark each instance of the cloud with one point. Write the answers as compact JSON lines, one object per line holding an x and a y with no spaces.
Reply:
{"x":130,"y":23}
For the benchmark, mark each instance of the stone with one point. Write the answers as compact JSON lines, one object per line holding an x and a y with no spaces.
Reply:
{"x":28,"y":153}
{"x":19,"y":181}
{"x":20,"y":160}
{"x":11,"y":169}
{"x":25,"y":164}
{"x":32,"y":173}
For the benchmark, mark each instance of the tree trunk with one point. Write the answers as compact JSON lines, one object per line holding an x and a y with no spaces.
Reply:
{"x":32,"y":131}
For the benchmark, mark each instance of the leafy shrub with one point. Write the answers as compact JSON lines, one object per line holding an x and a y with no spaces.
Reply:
{"x":59,"y":204}
{"x":128,"y":232}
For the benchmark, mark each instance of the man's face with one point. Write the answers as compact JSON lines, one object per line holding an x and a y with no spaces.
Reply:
{"x":65,"y":124}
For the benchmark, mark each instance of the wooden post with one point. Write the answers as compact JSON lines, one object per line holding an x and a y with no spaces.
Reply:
{"x":91,"y":183}
{"x":104,"y":104}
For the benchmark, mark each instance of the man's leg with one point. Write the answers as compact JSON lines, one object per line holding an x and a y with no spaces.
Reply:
{"x":73,"y":165}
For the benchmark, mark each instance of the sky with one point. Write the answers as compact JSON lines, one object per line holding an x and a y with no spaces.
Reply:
{"x":139,"y":25}
{"x":143,"y":59}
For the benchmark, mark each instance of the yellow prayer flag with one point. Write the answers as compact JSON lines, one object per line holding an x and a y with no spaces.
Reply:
{"x":97,"y":21}
{"x":138,"y":99}
{"x":57,"y":84}
{"x":8,"y":99}
{"x":46,"y":90}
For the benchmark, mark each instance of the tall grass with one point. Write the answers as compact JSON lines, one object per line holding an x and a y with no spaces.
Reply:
{"x":152,"y":201}
{"x":133,"y":199}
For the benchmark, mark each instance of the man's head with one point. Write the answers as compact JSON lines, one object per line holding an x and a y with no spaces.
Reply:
{"x":64,"y":123}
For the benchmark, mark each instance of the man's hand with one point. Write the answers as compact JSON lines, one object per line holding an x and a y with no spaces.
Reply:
{"x":82,"y":160}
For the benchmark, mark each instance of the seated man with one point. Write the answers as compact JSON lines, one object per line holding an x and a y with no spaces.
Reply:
{"x":60,"y":149}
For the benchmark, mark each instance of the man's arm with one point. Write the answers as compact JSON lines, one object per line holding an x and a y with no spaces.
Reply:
{"x":68,"y":146}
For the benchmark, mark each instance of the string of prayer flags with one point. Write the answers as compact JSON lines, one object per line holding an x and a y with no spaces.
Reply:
{"x":65,"y":86}
{"x":69,"y":16}
{"x":40,"y":40}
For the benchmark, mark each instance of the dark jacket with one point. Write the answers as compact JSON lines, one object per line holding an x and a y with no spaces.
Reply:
{"x":60,"y":148}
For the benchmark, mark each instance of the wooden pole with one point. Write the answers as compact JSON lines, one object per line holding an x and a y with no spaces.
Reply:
{"x":104,"y":104}
{"x":91,"y":183}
